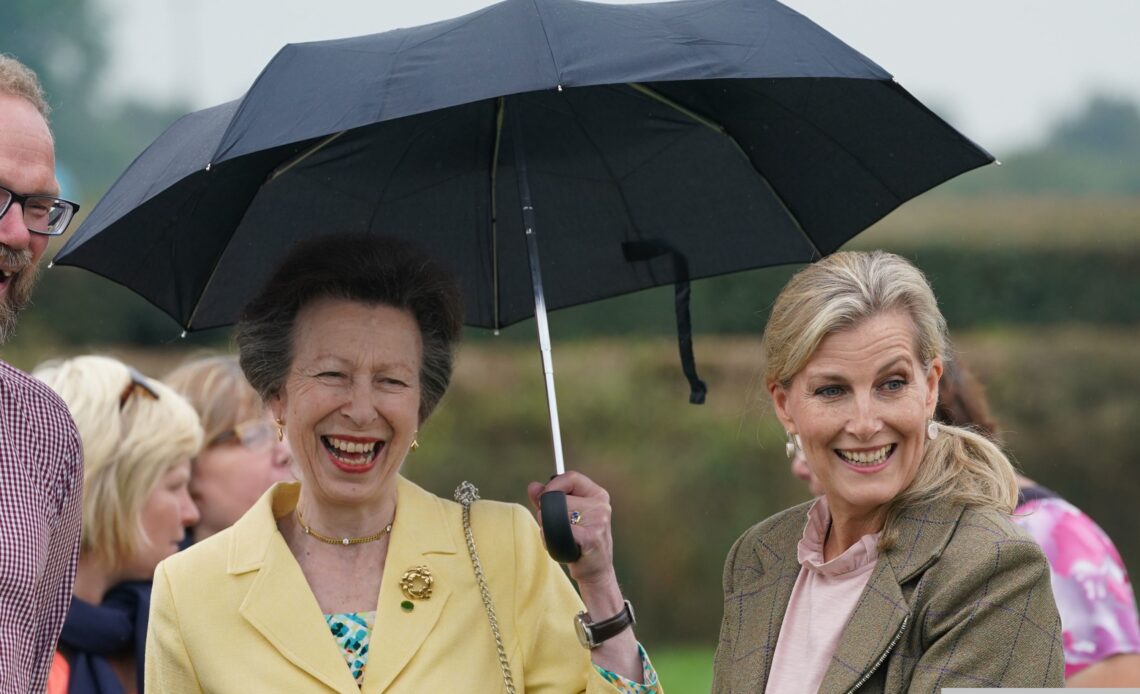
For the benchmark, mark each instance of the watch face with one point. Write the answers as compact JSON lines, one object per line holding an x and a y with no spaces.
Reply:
{"x":581,"y":631}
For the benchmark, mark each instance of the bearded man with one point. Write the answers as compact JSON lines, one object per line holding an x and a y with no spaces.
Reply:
{"x":41,"y":457}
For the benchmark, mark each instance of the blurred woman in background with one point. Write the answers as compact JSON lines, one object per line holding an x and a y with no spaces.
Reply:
{"x":138,"y":438}
{"x":242,"y":457}
{"x":1100,"y":628}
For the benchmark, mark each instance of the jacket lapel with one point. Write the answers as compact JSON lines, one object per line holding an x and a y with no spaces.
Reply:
{"x":279,"y":603}
{"x":423,"y":534}
{"x":873,"y":629}
{"x":882,"y":613}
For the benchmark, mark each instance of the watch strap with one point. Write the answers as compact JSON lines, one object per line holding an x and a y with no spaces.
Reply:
{"x":601,"y":631}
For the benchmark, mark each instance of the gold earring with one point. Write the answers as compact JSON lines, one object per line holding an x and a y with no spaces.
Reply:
{"x":280,"y":428}
{"x":415,"y":445}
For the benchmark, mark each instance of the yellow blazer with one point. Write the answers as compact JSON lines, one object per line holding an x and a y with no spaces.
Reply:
{"x":234,"y":613}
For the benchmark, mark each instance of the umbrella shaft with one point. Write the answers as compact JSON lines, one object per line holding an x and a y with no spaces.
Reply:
{"x":544,"y":346}
{"x":536,"y":281}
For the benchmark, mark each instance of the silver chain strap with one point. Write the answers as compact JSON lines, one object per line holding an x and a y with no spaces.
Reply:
{"x":467,"y":494}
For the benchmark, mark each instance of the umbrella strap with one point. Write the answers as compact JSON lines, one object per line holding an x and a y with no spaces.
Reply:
{"x":467,"y":494}
{"x":639,"y":251}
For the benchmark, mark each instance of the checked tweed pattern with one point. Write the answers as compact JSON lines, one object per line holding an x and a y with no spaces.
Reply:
{"x":962,"y":600}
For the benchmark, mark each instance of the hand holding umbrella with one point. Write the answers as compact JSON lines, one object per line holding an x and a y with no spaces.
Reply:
{"x":589,"y":517}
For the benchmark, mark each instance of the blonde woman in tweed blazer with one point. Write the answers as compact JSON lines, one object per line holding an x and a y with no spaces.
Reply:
{"x":907,"y":575}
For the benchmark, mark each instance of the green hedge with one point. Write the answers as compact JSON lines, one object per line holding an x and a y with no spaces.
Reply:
{"x":975,"y":287}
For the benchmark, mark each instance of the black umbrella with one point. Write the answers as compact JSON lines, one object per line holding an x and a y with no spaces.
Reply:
{"x":644,"y":144}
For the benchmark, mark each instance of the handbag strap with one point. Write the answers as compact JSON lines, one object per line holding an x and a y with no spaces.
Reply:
{"x":467,"y":494}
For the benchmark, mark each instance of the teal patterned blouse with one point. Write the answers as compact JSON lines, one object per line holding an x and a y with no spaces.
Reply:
{"x":353,"y":630}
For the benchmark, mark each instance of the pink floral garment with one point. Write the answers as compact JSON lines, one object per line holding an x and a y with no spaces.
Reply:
{"x":1090,"y":583}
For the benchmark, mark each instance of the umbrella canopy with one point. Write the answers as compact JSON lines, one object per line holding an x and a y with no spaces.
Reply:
{"x":642,"y":144}
{"x":665,"y":141}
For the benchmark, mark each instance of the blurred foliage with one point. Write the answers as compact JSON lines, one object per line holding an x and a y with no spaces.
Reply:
{"x":976,"y":287}
{"x":686,"y":481}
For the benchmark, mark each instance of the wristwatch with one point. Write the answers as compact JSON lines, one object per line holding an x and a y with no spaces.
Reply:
{"x":593,"y":634}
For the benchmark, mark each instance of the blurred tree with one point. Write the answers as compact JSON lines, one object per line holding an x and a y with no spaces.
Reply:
{"x":65,"y":42}
{"x":1106,"y":125}
{"x":1094,"y":152}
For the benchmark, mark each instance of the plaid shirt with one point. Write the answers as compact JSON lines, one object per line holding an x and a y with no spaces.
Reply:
{"x":41,"y":487}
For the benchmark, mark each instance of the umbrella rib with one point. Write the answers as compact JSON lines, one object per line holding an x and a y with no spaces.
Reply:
{"x":718,"y":128}
{"x":280,"y":170}
{"x":549,"y":47}
{"x":499,"y":104}
{"x":606,"y":164}
{"x":284,"y":168}
{"x":658,"y":96}
{"x":824,"y":133}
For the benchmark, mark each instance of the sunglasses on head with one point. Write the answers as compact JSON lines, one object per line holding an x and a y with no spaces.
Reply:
{"x":137,"y":385}
{"x":255,"y":435}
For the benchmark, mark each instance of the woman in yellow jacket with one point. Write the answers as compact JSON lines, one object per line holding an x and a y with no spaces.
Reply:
{"x":356,"y":579}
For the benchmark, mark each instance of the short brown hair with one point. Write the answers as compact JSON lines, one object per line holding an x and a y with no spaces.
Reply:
{"x":20,"y":80}
{"x":373,"y":270}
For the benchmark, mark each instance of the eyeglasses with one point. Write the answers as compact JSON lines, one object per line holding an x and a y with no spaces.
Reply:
{"x":138,"y":385}
{"x":43,"y":214}
{"x":254,"y":434}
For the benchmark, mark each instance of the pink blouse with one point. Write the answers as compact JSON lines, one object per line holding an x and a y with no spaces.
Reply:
{"x":823,"y":599}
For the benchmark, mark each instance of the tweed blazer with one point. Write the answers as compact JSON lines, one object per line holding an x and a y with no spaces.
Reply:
{"x":963,"y":599}
{"x":234,"y":613}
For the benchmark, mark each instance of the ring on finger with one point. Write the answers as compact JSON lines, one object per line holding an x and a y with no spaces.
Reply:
{"x":575,"y":518}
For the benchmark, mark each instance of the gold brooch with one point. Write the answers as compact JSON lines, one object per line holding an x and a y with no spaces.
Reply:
{"x":417,"y":583}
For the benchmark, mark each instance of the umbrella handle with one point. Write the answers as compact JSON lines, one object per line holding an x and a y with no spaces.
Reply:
{"x":556,"y":528}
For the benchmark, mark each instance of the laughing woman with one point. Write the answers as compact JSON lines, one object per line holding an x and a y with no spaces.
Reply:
{"x":907,"y":574}
{"x":356,"y":579}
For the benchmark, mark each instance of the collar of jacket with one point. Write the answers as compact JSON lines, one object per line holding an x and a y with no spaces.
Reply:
{"x":426,"y":531}
{"x":883,"y":612}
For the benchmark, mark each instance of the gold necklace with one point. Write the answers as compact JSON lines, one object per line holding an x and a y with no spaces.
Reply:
{"x":343,"y":541}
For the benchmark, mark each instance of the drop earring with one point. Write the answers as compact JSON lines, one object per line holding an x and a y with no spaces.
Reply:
{"x":931,"y":429}
{"x":792,"y":445}
{"x":279,"y":424}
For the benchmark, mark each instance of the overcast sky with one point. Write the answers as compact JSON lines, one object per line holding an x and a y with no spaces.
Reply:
{"x":1001,"y":70}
